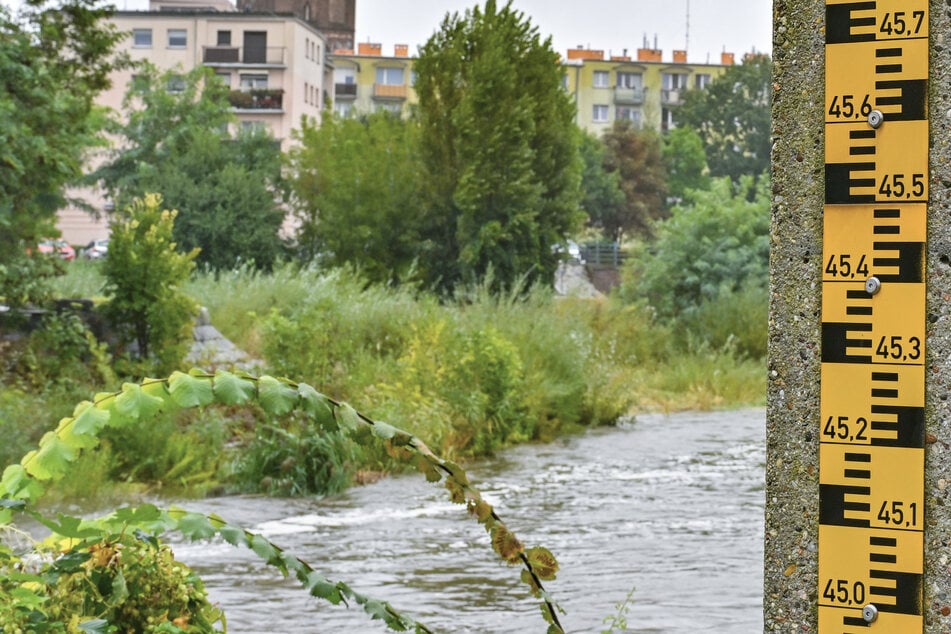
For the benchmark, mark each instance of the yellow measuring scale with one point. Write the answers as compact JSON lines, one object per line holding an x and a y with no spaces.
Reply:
{"x":872,"y":402}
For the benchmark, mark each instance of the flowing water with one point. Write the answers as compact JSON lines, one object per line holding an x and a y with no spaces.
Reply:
{"x":669,"y":506}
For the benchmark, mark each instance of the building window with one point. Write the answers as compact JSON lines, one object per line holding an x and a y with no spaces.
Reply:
{"x":343,"y":109}
{"x":316,"y":55}
{"x":224,"y":77}
{"x":177,"y":38}
{"x":224,"y":38}
{"x":253,"y":82}
{"x":629,"y":114}
{"x":344,"y":76}
{"x":392,"y":108}
{"x":389,"y":76}
{"x":253,"y":126}
{"x":702,"y":81}
{"x":667,"y":122}
{"x":176,"y":84}
{"x":141,"y":38}
{"x":601,"y":78}
{"x":630,"y":80}
{"x":674,"y":81}
{"x":599,"y":113}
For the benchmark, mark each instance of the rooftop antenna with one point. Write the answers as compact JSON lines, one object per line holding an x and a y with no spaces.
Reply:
{"x":687,"y":37}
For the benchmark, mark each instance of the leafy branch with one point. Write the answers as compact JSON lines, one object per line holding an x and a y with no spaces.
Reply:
{"x":24,"y":483}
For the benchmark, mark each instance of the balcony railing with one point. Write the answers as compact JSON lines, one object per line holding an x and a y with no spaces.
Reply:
{"x":672,"y":97}
{"x":628,"y":96}
{"x":269,"y":99}
{"x":345,"y":91}
{"x":389,"y":91}
{"x":231,"y":55}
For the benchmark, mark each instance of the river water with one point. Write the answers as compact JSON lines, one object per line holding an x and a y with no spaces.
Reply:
{"x":669,"y":506}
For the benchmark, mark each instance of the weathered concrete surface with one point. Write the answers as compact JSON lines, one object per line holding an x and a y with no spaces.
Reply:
{"x":792,"y":494}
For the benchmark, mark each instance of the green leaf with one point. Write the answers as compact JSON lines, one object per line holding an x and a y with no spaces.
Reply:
{"x":18,"y":484}
{"x":25,"y":598}
{"x":543,"y":563}
{"x":190,"y":391}
{"x":136,"y":404}
{"x":320,"y":587}
{"x":232,"y":534}
{"x":68,"y":526}
{"x":318,"y":406}
{"x":232,"y":390}
{"x":89,"y":420}
{"x":196,"y":526}
{"x":384,"y":430}
{"x":120,"y":591}
{"x":264,"y":549}
{"x":347,"y":418}
{"x":67,"y":433}
{"x":276,"y":396}
{"x":52,"y":460}
{"x":95,"y":626}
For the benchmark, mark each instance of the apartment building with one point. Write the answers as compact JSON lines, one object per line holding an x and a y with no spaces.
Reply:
{"x":646,"y":90}
{"x":276,"y":66}
{"x":368,"y":81}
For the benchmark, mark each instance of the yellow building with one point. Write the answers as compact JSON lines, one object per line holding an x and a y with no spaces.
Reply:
{"x":367,"y":81}
{"x":646,"y":90}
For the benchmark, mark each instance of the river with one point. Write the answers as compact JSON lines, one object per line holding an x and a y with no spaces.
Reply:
{"x":669,"y":506}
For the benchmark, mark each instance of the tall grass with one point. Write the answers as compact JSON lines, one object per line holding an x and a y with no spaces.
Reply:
{"x":469,"y":376}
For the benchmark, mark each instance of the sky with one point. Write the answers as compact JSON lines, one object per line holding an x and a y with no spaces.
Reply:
{"x":736,"y":26}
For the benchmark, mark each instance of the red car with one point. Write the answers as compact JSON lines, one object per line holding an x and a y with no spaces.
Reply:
{"x":59,"y":247}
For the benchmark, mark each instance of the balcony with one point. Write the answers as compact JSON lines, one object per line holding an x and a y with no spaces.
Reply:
{"x":628,"y":96}
{"x":672,"y":97}
{"x":345,"y":91}
{"x":267,"y":99}
{"x":389,"y":91}
{"x":242,"y":56}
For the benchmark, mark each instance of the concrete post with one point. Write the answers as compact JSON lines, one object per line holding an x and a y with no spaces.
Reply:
{"x":791,"y":582}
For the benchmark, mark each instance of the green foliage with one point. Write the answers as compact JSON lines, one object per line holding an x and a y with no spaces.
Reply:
{"x":302,"y":460}
{"x":732,"y":116}
{"x":143,"y":277}
{"x":23,"y":485}
{"x":716,"y":243}
{"x":357,"y":183}
{"x":601,"y":195}
{"x":226,"y":190}
{"x":107,"y":583}
{"x":686,"y":162}
{"x":44,"y":128}
{"x":499,"y":150}
{"x":635,"y":156}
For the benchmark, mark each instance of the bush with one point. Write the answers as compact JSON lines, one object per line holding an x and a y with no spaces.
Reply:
{"x":123,"y":582}
{"x":144,"y":274}
{"x":716,"y":243}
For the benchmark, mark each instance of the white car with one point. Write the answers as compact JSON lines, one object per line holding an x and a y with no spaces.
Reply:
{"x":96,"y":250}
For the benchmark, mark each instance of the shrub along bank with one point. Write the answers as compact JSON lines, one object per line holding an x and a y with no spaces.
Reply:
{"x":469,"y":376}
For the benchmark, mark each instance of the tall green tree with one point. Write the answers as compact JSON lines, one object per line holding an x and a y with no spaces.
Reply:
{"x":686,"y":162}
{"x":635,"y":156}
{"x":227,"y":190}
{"x":732,"y":116}
{"x":499,"y":149}
{"x":601,"y":194}
{"x":54,"y":59}
{"x":356,"y":183}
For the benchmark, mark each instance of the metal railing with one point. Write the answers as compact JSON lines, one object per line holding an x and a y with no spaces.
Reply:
{"x":216,"y":55}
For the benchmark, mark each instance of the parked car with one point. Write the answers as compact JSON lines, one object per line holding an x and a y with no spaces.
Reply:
{"x":57,"y":247}
{"x":95,"y":250}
